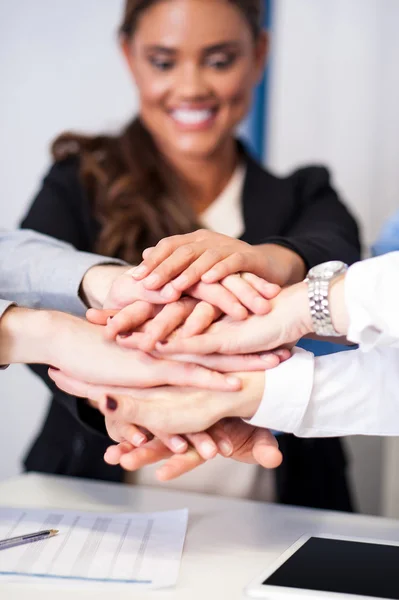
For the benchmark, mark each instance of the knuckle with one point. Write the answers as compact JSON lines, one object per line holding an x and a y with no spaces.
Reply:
{"x":187,"y":251}
{"x":202,"y":232}
{"x":214,"y":254}
{"x":238,"y":258}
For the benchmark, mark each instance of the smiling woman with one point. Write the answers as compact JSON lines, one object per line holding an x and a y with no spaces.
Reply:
{"x":177,"y":167}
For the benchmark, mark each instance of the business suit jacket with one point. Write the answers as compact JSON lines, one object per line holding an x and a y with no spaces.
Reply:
{"x":301,"y":212}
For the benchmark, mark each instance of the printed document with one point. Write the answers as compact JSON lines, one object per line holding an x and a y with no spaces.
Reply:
{"x":129,"y":548}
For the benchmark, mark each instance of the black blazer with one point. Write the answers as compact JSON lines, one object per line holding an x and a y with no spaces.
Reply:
{"x":301,"y":212}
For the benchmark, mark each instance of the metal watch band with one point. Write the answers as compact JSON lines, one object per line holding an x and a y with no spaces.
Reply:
{"x":318,"y":290}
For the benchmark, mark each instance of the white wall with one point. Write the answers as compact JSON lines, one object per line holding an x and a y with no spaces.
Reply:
{"x":59,"y":69}
{"x":335,"y":99}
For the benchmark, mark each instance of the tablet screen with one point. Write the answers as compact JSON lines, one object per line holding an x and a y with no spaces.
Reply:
{"x":347,"y":567}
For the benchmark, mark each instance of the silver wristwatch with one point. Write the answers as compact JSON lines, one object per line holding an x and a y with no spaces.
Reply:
{"x":319,"y":280}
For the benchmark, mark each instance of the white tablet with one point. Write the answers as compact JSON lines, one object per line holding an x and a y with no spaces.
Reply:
{"x":325,"y":567}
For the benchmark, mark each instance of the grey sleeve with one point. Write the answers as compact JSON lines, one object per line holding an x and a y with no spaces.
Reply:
{"x":40,"y":272}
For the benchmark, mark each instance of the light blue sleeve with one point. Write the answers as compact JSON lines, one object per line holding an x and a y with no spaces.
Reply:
{"x":388,"y":240}
{"x":37,"y":271}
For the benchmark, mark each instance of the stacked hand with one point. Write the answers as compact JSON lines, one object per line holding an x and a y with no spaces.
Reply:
{"x":138,"y":315}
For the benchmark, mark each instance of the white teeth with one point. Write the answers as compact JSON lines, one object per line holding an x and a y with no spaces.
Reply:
{"x":191,"y":117}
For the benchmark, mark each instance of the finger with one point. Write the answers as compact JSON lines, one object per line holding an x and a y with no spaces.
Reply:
{"x":203,"y":315}
{"x":193,"y":273}
{"x":147,"y":252}
{"x":283,"y":354}
{"x":169,"y":319}
{"x":99,"y":317}
{"x":125,"y":432}
{"x":221,"y":439}
{"x":172,"y":266}
{"x":193,"y":375}
{"x":129,"y":318}
{"x":82,"y":389}
{"x":246,"y":294}
{"x":175,"y":443}
{"x":201,"y":345}
{"x":204,"y":444}
{"x":153,"y":257}
{"x":267,"y":289}
{"x":179,"y":464}
{"x":67,"y":384}
{"x":148,"y":454}
{"x":220,"y":297}
{"x":235,"y":363}
{"x":265,"y":449}
{"x":113,"y":454}
{"x":235,"y":263}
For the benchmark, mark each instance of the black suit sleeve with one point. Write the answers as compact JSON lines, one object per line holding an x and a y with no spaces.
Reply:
{"x":60,"y":210}
{"x":322,"y":228}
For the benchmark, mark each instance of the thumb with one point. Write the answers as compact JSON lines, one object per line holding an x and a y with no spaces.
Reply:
{"x":99,"y":317}
{"x":265,"y":450}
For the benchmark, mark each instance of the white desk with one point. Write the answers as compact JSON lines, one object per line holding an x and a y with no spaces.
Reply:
{"x":228,"y":541}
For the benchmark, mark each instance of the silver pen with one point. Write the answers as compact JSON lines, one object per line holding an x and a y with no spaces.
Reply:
{"x":27,"y":538}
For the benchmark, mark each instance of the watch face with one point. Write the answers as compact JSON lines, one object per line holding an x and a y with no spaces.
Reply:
{"x":328,"y":270}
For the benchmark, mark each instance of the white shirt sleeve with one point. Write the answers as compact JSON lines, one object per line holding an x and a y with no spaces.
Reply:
{"x":349,"y":393}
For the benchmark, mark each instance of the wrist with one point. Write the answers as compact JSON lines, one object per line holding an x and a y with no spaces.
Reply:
{"x":26,"y":335}
{"x":280,"y":265}
{"x":97,"y":282}
{"x":251,"y":394}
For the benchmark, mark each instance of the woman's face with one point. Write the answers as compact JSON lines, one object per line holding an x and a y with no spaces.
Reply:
{"x":195,"y":63}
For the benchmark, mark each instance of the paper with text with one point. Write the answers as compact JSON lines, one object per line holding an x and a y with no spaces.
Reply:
{"x":136,"y":548}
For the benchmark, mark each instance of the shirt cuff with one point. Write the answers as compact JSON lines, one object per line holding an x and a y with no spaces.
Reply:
{"x":287,"y":393}
{"x":361,"y":282}
{"x":4,"y":305}
{"x":61,"y":291}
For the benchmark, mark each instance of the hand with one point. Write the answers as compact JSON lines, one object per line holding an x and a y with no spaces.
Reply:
{"x":205,"y":445}
{"x":248,"y":444}
{"x":185,"y":259}
{"x":233,"y":296}
{"x":288,"y":321}
{"x":79,"y":350}
{"x":227,"y":364}
{"x":124,"y":290}
{"x":141,"y":324}
{"x":181,"y":410}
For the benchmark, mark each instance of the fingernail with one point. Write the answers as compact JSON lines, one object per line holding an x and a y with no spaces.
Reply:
{"x":138,"y":439}
{"x":111,"y":403}
{"x":125,"y":335}
{"x":209,"y":275}
{"x":233,"y":381}
{"x":208,"y":450}
{"x":226,"y":448}
{"x":109,"y":319}
{"x":178,"y":444}
{"x":152,"y":279}
{"x":139,"y":271}
{"x":168,"y":291}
